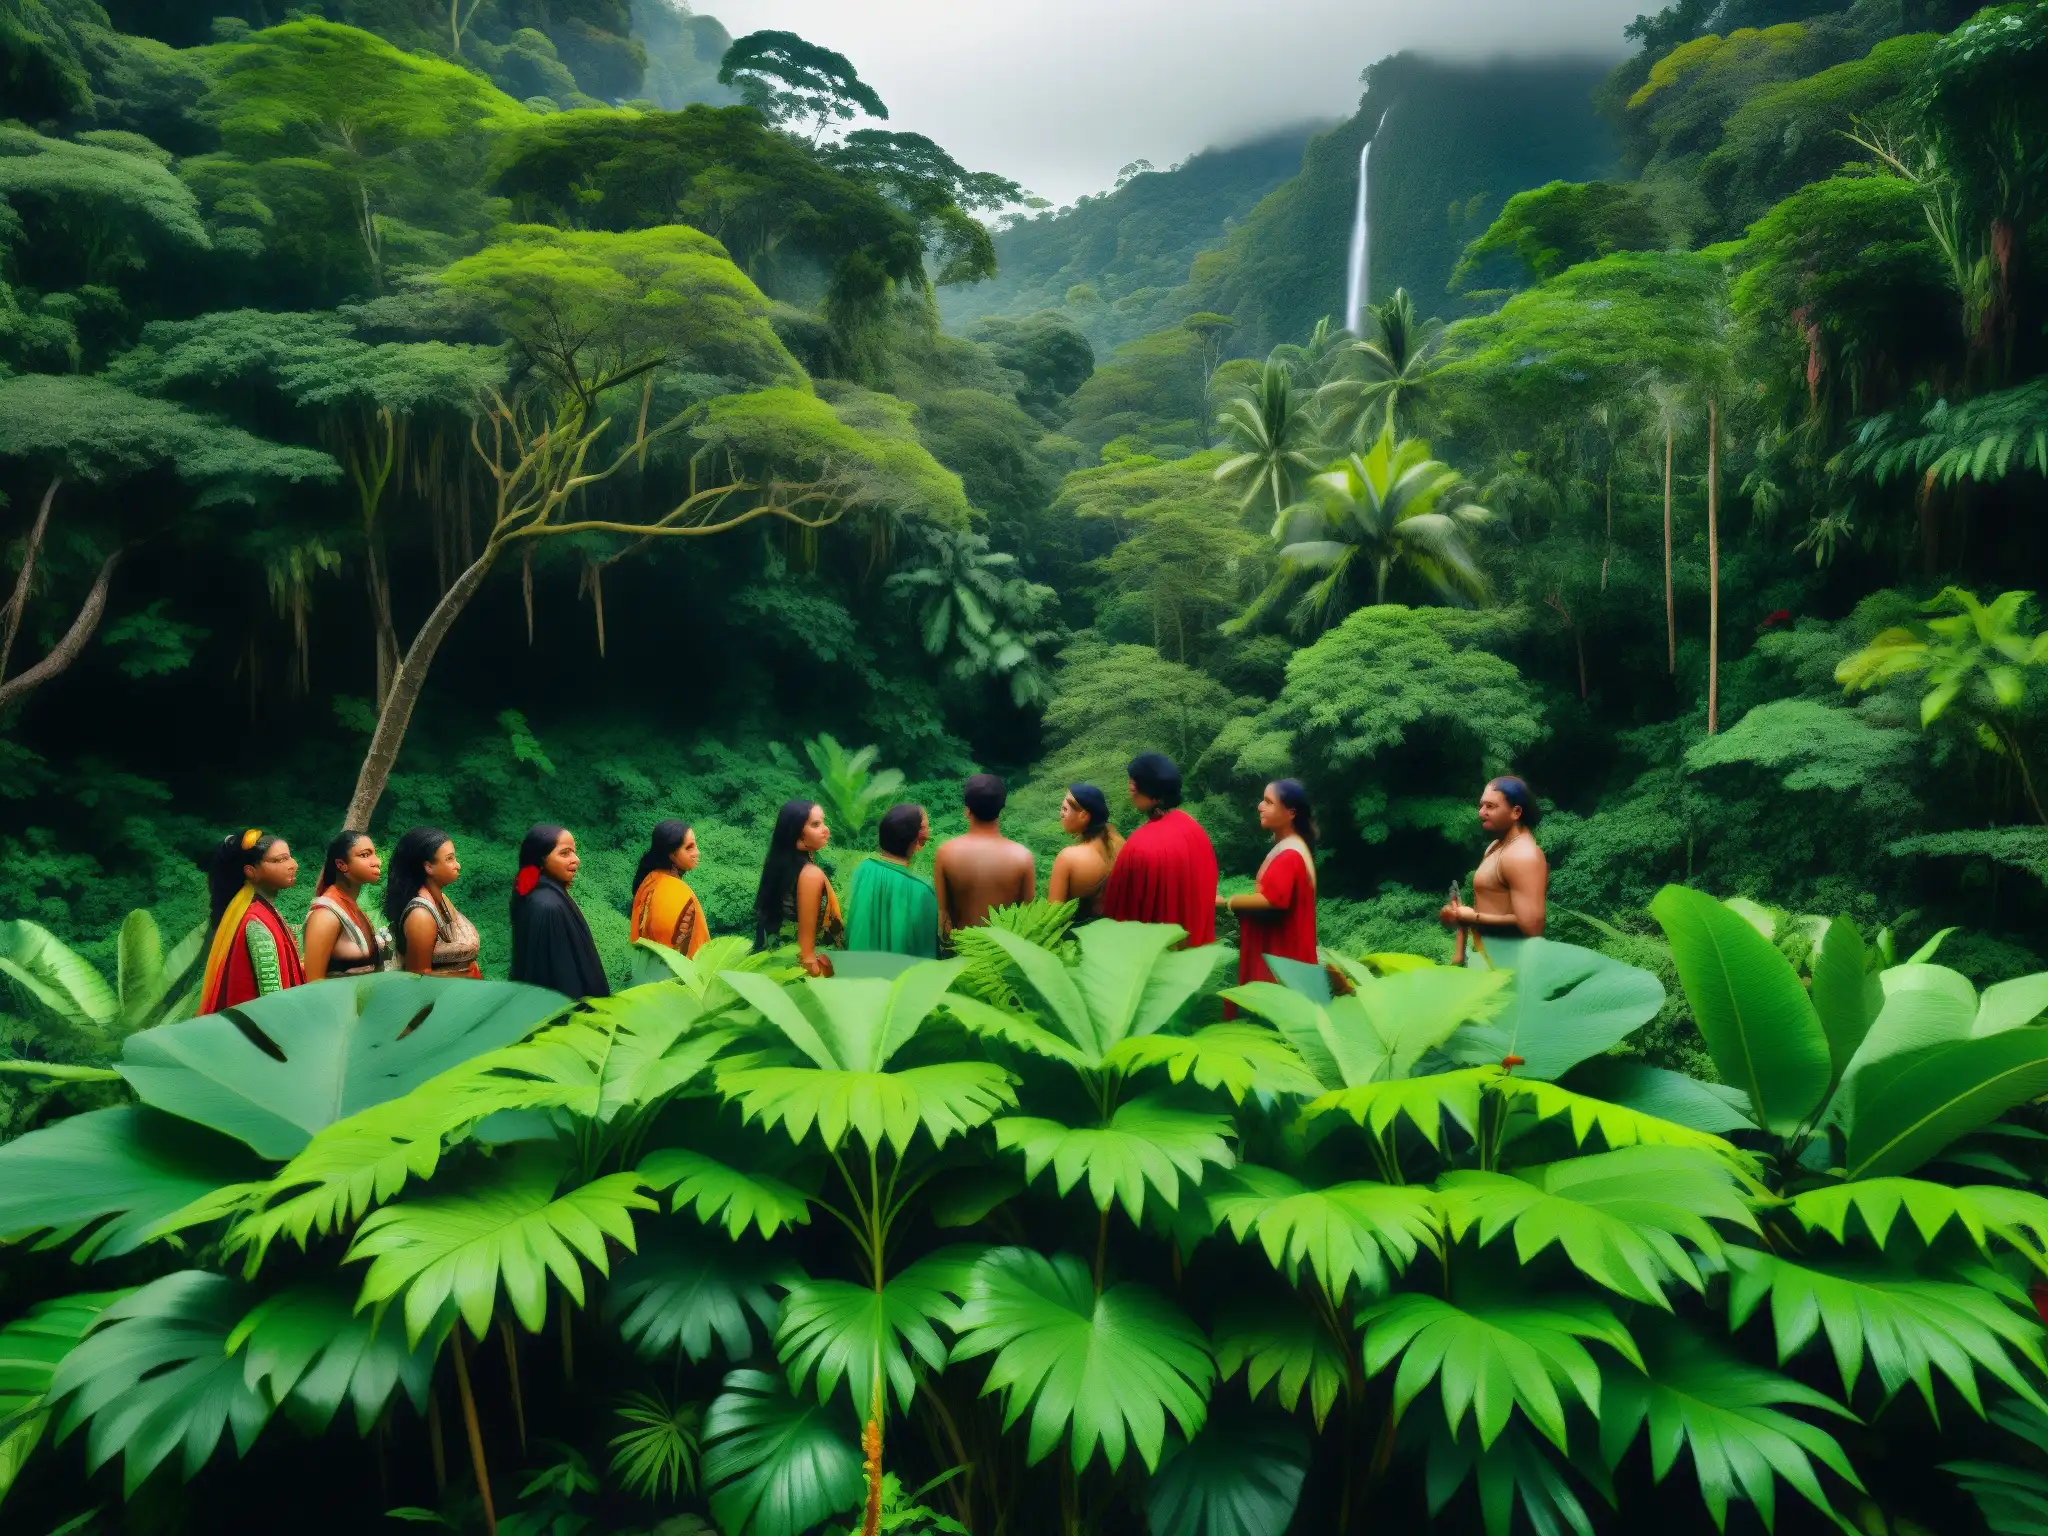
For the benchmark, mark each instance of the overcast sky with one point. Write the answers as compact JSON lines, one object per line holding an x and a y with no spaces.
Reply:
{"x":1061,"y":93}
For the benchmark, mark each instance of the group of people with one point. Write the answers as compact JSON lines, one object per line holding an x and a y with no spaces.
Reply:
{"x":1163,"y":871}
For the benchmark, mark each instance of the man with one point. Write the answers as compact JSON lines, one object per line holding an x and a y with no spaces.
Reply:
{"x":981,"y":868}
{"x":1512,"y":885}
{"x":1167,"y":870}
{"x":891,"y":908}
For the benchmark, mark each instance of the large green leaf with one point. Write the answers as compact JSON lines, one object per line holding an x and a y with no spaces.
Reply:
{"x":1240,"y":1477}
{"x":945,"y":1099}
{"x":1516,"y":1466}
{"x":846,"y":1024}
{"x":1148,"y":1143}
{"x":1490,"y":1357}
{"x":1565,"y":1004}
{"x":714,"y":1192}
{"x":1424,"y":1102}
{"x":1729,"y":1414}
{"x":1618,"y":1125}
{"x":630,"y":1051}
{"x":31,"y":1349}
{"x":1754,"y":1015}
{"x":307,"y":1349}
{"x":1381,"y":1030}
{"x":114,"y":1174}
{"x":154,"y":1376}
{"x":1619,"y":1216}
{"x":1907,"y":1325}
{"x":1841,"y":994}
{"x":1909,"y":1107}
{"x":1130,"y":981}
{"x":368,"y":1158}
{"x":1345,"y":1232}
{"x":54,"y":974}
{"x":275,"y":1071}
{"x":1103,"y":1370}
{"x":840,"y":1332}
{"x":1711,"y":1107}
{"x":1283,"y":1344}
{"x":2017,"y":1217}
{"x":502,"y":1224}
{"x":1234,"y":1057}
{"x":691,"y":1293}
{"x":776,"y":1465}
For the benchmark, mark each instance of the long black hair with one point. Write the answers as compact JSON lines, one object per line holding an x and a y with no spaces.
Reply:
{"x":1290,"y":794}
{"x":662,"y":844}
{"x":780,"y":869}
{"x":1096,"y":804}
{"x":1518,"y":794}
{"x":338,"y":851}
{"x":225,"y":866}
{"x":407,"y":876}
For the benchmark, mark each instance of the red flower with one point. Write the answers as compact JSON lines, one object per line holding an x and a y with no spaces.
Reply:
{"x":1511,"y":1062}
{"x":1776,"y":617}
{"x":527,"y":878}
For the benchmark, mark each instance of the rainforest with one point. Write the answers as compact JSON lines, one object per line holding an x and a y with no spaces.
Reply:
{"x":423,"y":424}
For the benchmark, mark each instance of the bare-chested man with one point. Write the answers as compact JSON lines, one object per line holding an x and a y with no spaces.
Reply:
{"x":981,"y":868}
{"x":1512,"y":884}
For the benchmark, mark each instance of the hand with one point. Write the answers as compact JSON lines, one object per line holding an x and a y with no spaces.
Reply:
{"x":816,"y":965}
{"x":1449,"y":915}
{"x":1454,"y":915}
{"x":1222,"y":903}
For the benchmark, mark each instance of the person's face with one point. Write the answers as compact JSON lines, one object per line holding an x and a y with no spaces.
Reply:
{"x":815,"y":834}
{"x":561,"y":863}
{"x":1496,"y":816}
{"x":1139,"y":799}
{"x":362,"y":866}
{"x":1073,"y":820}
{"x":277,"y":870}
{"x":444,"y":868}
{"x":685,"y":857}
{"x":1273,"y":815}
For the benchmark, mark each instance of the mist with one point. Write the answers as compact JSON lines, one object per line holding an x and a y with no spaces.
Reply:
{"x":1060,"y":94}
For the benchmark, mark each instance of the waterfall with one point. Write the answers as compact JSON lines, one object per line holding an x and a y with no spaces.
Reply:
{"x":1358,"y":275}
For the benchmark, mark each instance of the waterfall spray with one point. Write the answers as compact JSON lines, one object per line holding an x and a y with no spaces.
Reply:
{"x":1358,"y":277}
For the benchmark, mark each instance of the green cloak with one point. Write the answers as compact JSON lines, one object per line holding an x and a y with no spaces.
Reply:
{"x":891,"y":909}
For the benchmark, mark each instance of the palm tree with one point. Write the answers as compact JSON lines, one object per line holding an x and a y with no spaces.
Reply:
{"x":1391,"y":505}
{"x":1273,"y":427}
{"x":1392,"y":365}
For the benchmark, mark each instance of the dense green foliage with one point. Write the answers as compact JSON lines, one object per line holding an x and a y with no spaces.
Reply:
{"x":565,"y":412}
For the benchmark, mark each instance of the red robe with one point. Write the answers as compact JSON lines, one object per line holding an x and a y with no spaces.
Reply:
{"x":1166,"y":873}
{"x":237,"y":983}
{"x":1290,"y":930}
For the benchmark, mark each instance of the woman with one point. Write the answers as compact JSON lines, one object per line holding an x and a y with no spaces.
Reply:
{"x":665,"y":910}
{"x":1279,"y":918}
{"x":1080,"y":873}
{"x":433,"y":938}
{"x":340,"y":940}
{"x":253,"y":953}
{"x":551,"y":942}
{"x":795,"y":902}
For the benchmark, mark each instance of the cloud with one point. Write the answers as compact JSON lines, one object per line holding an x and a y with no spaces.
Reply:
{"x":1061,"y":93}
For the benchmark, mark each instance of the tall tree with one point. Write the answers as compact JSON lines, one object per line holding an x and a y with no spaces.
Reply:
{"x":790,"y":81}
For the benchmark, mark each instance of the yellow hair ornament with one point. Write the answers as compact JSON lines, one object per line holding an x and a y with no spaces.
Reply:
{"x":249,"y":838}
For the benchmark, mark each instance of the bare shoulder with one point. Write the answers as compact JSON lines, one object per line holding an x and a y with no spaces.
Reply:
{"x":324,"y":917}
{"x":1523,"y":853}
{"x":1022,"y":857}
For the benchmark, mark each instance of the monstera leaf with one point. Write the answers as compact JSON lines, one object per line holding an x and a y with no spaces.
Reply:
{"x":154,"y":1376}
{"x":1110,"y":1368}
{"x":777,"y":1465}
{"x":113,"y":1174}
{"x":1566,"y":1004}
{"x":275,"y":1071}
{"x":1240,"y":1477}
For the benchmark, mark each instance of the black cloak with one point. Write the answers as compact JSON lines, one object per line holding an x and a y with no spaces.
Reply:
{"x":551,"y":943}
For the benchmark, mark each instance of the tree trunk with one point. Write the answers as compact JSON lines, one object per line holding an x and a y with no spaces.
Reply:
{"x":67,"y":650}
{"x":1607,"y":556}
{"x":395,"y":715}
{"x":1713,"y":567}
{"x":1670,"y":610}
{"x":17,"y":605}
